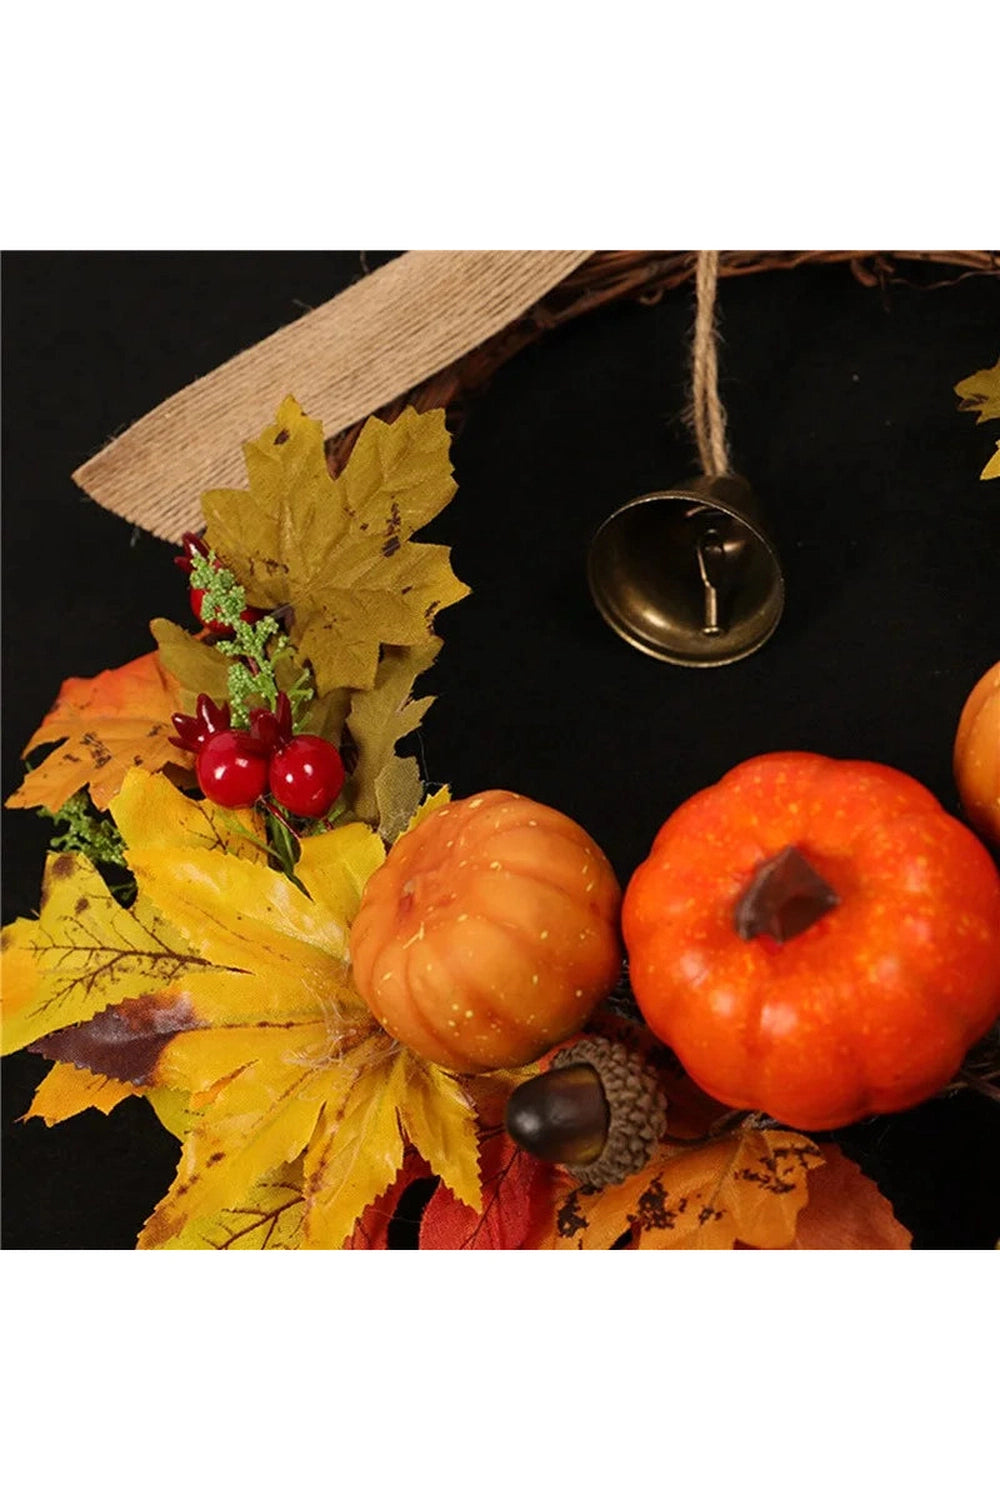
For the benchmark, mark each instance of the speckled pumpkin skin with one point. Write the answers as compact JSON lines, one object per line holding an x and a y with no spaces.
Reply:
{"x":489,"y":934}
{"x":977,"y":755}
{"x":873,"y":1007}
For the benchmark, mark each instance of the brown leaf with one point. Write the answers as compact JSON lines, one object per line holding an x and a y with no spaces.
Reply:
{"x":124,"y":1041}
{"x":846,"y":1211}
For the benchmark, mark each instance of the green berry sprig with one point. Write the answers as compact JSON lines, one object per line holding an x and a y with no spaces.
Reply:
{"x":249,"y":642}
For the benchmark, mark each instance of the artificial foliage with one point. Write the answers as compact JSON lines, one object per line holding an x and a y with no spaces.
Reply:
{"x":341,"y":549}
{"x":103,"y":725}
{"x":981,"y":393}
{"x":198,"y":956}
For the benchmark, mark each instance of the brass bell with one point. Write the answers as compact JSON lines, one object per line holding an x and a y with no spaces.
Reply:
{"x":689,"y":575}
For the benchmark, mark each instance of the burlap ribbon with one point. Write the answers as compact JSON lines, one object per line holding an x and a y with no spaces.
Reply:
{"x":373,"y":342}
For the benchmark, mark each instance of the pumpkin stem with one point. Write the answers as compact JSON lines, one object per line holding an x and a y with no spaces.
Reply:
{"x":785,"y":895}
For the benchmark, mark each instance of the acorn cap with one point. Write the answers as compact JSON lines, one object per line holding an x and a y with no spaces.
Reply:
{"x":637,"y":1109}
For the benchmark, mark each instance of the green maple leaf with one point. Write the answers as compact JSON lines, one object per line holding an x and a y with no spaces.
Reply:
{"x":387,"y":788}
{"x":339,"y":551}
{"x":197,"y":665}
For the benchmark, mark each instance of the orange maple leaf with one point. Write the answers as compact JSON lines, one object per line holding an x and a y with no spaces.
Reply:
{"x":747,"y":1187}
{"x":109,"y":723}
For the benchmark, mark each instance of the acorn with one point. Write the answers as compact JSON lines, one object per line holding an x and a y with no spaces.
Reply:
{"x":598,"y":1111}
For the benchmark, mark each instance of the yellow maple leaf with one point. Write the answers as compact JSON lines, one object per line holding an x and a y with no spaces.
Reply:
{"x":281,"y":1057}
{"x":339,"y":551}
{"x":66,"y":1091}
{"x":981,"y":393}
{"x":348,"y":1167}
{"x":270,"y":1217}
{"x":149,"y":813}
{"x":83,"y":954}
{"x":428,"y":805}
{"x":110,"y":723}
{"x":748,"y":1188}
{"x":224,"y":994}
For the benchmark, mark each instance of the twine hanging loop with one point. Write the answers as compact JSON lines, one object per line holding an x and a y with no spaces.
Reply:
{"x":708,"y":417}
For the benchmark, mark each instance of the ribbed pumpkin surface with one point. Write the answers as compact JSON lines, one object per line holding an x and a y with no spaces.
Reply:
{"x":977,"y":755}
{"x":489,"y":934}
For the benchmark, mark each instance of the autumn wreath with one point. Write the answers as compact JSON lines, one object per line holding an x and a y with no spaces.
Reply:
{"x":257,"y":916}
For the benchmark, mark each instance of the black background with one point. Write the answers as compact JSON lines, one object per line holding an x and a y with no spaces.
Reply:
{"x":842,"y":415}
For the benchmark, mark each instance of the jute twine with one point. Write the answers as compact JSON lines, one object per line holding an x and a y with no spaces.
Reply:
{"x":427,"y":329}
{"x":356,"y":353}
{"x":708,"y":417}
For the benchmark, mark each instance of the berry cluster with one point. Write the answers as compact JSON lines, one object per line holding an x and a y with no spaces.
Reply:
{"x":235,"y":767}
{"x":193,"y":545}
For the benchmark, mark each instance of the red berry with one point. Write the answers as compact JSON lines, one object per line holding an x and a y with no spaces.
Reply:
{"x":306,"y":776}
{"x":196,"y":598}
{"x":195,"y":730}
{"x":231,"y":770}
{"x":274,"y":730}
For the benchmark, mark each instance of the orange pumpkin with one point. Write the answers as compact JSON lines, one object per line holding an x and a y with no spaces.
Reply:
{"x":816,"y":938}
{"x":489,"y":934}
{"x":977,"y":755}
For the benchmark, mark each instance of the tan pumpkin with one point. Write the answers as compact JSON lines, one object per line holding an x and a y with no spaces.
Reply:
{"x":977,"y":755}
{"x":489,"y":934}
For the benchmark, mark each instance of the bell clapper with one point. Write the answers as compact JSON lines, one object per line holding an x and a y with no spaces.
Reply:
{"x":711,"y":563}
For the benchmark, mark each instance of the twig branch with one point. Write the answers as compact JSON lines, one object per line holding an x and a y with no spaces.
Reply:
{"x":645,"y":276}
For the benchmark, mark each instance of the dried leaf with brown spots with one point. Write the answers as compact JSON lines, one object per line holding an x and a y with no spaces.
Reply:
{"x":109,"y":723}
{"x":339,"y":551}
{"x":747,"y":1187}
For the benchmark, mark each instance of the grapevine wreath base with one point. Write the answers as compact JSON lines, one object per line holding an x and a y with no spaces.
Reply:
{"x":346,"y":993}
{"x":643,"y":275}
